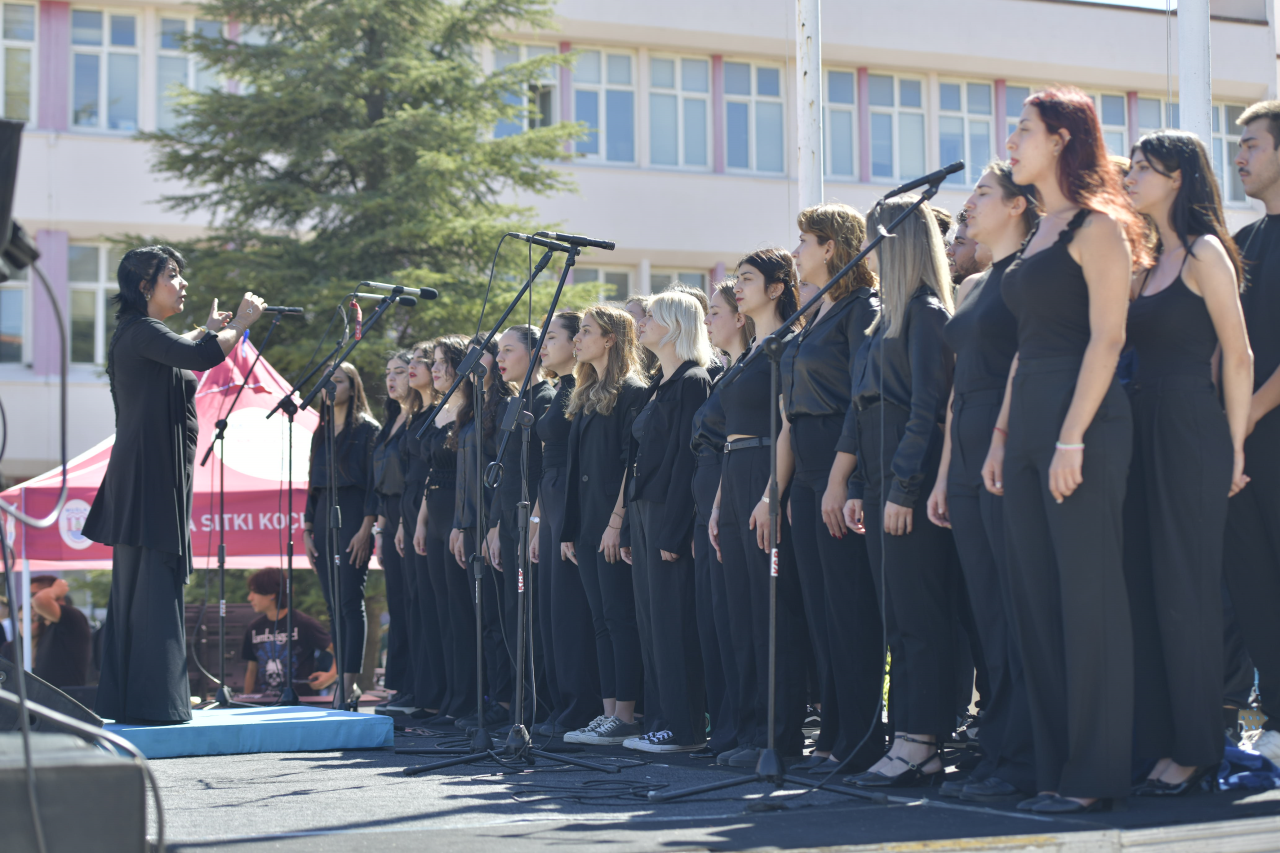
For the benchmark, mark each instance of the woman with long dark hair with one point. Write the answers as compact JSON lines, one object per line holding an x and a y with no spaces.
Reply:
{"x":386,"y":480}
{"x":739,"y":524}
{"x":450,"y":585}
{"x":835,"y":572}
{"x":607,"y":395}
{"x":143,"y":508}
{"x":902,"y":377}
{"x":1064,"y":461}
{"x":730,"y":332}
{"x":983,"y":334}
{"x":1188,"y":458}
{"x":354,"y":434}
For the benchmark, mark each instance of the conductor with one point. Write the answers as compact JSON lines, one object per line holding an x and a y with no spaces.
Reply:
{"x":143,"y":508}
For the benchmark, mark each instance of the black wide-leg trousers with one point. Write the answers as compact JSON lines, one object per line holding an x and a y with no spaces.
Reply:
{"x":398,"y":671}
{"x":714,"y":632}
{"x":611,"y":595}
{"x":1071,"y":607}
{"x":429,"y":676}
{"x":346,"y":608}
{"x":455,"y":605}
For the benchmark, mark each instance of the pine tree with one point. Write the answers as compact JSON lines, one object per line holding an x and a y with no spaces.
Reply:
{"x":354,"y":142}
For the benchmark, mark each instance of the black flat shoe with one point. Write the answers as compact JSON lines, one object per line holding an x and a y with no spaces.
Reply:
{"x":1030,"y":803}
{"x":1061,"y":805}
{"x":952,"y":788}
{"x":1157,"y":788}
{"x":704,"y":751}
{"x":991,"y":789}
{"x":811,"y":762}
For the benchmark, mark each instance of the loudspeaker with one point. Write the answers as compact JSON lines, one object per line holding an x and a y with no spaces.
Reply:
{"x":43,"y":693}
{"x":88,"y":798}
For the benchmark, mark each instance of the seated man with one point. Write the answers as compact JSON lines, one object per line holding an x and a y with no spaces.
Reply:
{"x":265,"y":645}
{"x":64,"y":640}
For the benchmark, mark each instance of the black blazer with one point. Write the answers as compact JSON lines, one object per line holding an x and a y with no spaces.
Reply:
{"x":661,"y":461}
{"x":598,"y":464}
{"x":509,"y":492}
{"x":145,"y":496}
{"x":353,"y":448}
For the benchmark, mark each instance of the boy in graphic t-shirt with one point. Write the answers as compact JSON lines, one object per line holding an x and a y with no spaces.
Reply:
{"x":265,"y":642}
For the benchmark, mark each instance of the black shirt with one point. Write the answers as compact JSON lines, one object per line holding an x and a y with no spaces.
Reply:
{"x":62,"y":650}
{"x":267,"y":643}
{"x":1048,"y":294}
{"x":386,"y":474}
{"x":1259,"y":244}
{"x":983,"y":333}
{"x":744,"y":394}
{"x":464,"y":511}
{"x":553,"y":427}
{"x":510,"y":491}
{"x":911,"y":370}
{"x":415,"y":465}
{"x":708,"y":436}
{"x":1171,"y":333}
{"x":354,"y":451}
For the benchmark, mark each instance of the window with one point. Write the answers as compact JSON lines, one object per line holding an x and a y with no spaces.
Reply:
{"x":1154,"y":114}
{"x":660,"y":280}
{"x":541,"y":98}
{"x":13,"y":319}
{"x":611,"y":126}
{"x":1113,"y":112}
{"x":19,"y":44}
{"x":754,"y":135}
{"x":104,"y":73}
{"x":615,"y":285}
{"x":839,"y":151}
{"x":1013,"y":99}
{"x":679,"y":111}
{"x":176,"y":69}
{"x":964,"y":128}
{"x":897,"y":127}
{"x":91,"y":272}
{"x":1226,"y":145}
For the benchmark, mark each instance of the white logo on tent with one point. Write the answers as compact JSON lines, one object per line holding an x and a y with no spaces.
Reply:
{"x":71,"y":523}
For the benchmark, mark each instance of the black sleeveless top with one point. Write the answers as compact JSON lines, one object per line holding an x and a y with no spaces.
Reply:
{"x":1048,"y":295}
{"x":1171,"y":332}
{"x":553,"y":428}
{"x":744,"y":395}
{"x":413,"y":461}
{"x":983,"y":333}
{"x":708,"y":425}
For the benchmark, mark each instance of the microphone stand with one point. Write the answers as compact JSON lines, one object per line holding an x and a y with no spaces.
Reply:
{"x":518,"y":743}
{"x":222,"y":698}
{"x":769,"y":767}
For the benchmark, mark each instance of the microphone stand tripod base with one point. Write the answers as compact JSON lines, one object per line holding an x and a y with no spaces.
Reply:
{"x":222,"y":699}
{"x":289,"y":697}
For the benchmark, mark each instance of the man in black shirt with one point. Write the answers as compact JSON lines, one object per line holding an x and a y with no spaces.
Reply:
{"x":1252,"y":557}
{"x":62,"y":647}
{"x":265,"y":642}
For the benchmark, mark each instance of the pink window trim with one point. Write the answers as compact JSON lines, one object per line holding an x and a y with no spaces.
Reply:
{"x":54,"y":75}
{"x":1134,"y":132}
{"x":864,"y":126}
{"x":717,"y":112}
{"x":53,"y":247}
{"x":1002,"y":119}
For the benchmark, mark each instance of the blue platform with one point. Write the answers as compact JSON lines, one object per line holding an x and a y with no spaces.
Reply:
{"x":231,"y":731}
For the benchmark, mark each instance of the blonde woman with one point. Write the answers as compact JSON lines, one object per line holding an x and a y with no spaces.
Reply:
{"x":902,"y":378}
{"x":661,"y":523}
{"x":608,"y":393}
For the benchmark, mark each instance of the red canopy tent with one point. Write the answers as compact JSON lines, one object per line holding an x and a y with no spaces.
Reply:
{"x":255,"y":462}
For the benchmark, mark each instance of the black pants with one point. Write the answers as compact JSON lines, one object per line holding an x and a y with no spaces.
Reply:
{"x":497,"y":663}
{"x":455,"y":607}
{"x":1238,"y":671}
{"x":841,"y":604}
{"x":1071,"y":608}
{"x":916,"y":577}
{"x":534,"y":666}
{"x":613,"y":609}
{"x":399,"y":666}
{"x":1175,"y":517}
{"x":977,"y":523}
{"x":568,"y":629}
{"x":714,"y":632}
{"x":347,"y":612}
{"x":747,"y":571}
{"x":669,"y":591}
{"x":144,"y":641}
{"x":1252,"y":559}
{"x":430,"y":683}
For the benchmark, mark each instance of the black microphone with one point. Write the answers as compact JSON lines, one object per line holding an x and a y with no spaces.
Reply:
{"x":422,"y":292}
{"x":932,"y":178}
{"x":538,"y":241}
{"x":575,"y":240}
{"x":278,"y":309}
{"x":406,"y":301}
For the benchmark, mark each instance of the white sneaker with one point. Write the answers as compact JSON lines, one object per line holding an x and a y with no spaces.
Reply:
{"x":611,"y":731}
{"x":634,"y":742}
{"x":580,"y":735}
{"x":665,"y":742}
{"x":1268,"y":746}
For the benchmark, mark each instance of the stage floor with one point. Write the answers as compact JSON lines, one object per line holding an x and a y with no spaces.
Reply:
{"x":233,"y":731}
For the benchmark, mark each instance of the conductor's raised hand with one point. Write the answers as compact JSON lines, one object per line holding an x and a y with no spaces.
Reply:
{"x":250,"y":310}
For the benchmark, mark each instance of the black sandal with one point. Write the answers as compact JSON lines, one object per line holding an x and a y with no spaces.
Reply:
{"x":908,"y":778}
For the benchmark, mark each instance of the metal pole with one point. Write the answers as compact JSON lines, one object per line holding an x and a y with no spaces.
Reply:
{"x":1195,"y":79}
{"x":26,"y":613}
{"x":809,"y":100}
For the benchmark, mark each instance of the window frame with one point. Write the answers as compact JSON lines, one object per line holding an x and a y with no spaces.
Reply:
{"x":23,"y":286}
{"x":828,"y":107}
{"x":105,"y":287}
{"x":682,"y":96}
{"x":974,"y":165}
{"x":673,"y":274}
{"x":602,"y":89}
{"x":603,"y":271}
{"x":753,"y":102}
{"x":33,"y":47}
{"x":551,"y":82}
{"x":1122,"y":129}
{"x":896,"y":112}
{"x":193,"y":65}
{"x":1227,"y":133}
{"x":104,"y":51}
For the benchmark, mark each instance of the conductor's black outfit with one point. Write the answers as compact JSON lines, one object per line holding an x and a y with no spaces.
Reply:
{"x":143,"y":510}
{"x":598,"y":446}
{"x":1065,"y":559}
{"x":746,"y":397}
{"x":353,"y":449}
{"x":984,"y":336}
{"x":1175,"y":518}
{"x":386,"y":478}
{"x":564,"y":615}
{"x":660,"y":517}
{"x":901,"y":387}
{"x":835,"y":574}
{"x":425,"y":589}
{"x":506,"y":500}
{"x":1252,"y":557}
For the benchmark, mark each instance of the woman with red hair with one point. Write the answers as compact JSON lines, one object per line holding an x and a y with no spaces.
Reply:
{"x":1060,"y":453}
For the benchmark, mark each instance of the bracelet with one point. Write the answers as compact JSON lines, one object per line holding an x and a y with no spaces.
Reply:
{"x":765,"y":499}
{"x":1061,"y":446}
{"x":534,"y":519}
{"x":615,"y":512}
{"x":1003,"y":432}
{"x":611,"y":527}
{"x":377,"y":531}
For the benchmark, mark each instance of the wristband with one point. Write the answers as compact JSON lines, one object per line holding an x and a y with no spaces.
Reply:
{"x":1061,"y":446}
{"x":534,"y":519}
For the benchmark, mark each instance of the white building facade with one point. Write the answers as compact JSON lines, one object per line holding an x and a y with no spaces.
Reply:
{"x":691,"y":161}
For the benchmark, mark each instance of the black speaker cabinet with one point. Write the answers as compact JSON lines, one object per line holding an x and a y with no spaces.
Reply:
{"x":88,"y":798}
{"x":42,"y":693}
